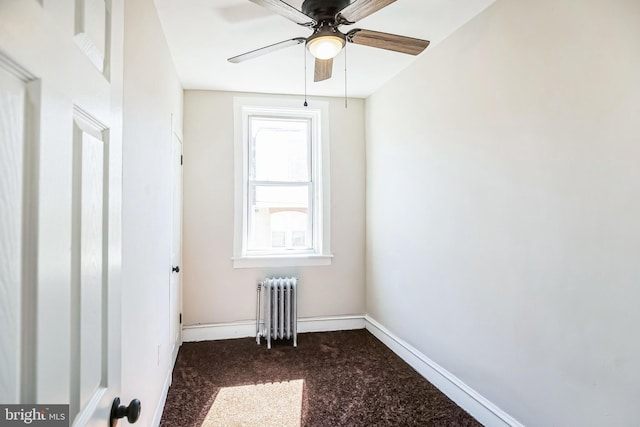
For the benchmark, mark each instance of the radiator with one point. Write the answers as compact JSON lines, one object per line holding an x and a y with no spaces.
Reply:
{"x":278,"y":319}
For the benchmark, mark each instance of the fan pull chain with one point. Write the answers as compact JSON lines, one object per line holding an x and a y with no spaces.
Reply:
{"x":345,"y":75}
{"x":305,"y":78}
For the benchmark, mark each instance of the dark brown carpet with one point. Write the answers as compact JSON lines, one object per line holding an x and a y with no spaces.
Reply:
{"x":350,"y":379}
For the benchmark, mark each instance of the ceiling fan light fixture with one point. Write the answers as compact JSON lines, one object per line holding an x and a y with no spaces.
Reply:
{"x":325,"y":46}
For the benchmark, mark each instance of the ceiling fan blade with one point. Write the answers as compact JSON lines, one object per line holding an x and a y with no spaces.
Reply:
{"x":323,"y":69}
{"x":286,"y":10}
{"x":267,"y":49}
{"x":387,"y":41}
{"x":360,"y":9}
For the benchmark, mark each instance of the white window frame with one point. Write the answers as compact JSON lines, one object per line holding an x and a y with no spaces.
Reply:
{"x":318,"y":114}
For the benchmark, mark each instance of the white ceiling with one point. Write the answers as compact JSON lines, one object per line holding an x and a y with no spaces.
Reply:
{"x":202,"y":34}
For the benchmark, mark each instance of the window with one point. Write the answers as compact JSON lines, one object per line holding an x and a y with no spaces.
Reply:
{"x":282,"y":184}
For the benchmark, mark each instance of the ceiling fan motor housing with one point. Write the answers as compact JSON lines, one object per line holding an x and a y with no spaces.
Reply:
{"x":323,"y":10}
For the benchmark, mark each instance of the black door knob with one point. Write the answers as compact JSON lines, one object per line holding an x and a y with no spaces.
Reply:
{"x":176,"y":269}
{"x":132,"y":412}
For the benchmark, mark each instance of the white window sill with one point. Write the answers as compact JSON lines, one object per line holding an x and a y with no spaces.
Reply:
{"x":302,"y":260}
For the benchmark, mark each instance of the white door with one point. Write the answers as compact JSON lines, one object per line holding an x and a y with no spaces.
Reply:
{"x":175,"y":296}
{"x":61,"y":127}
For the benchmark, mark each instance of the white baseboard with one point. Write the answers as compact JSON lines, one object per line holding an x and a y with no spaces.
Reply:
{"x":223,"y":331}
{"x":335,"y":323}
{"x":218,"y":331}
{"x":463,"y":395}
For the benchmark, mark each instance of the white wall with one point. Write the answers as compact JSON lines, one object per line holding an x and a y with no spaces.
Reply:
{"x":214,"y":292}
{"x":152,"y":93}
{"x":503,"y":206}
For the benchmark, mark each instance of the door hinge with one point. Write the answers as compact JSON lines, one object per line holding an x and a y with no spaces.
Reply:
{"x":180,"y":159}
{"x":181,"y":318}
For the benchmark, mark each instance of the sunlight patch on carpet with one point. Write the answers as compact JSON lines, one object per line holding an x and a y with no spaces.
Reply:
{"x":264,"y":405}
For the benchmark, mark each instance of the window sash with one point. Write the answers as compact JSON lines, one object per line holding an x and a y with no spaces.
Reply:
{"x":251,"y":202}
{"x":252,"y":143}
{"x":252,"y":184}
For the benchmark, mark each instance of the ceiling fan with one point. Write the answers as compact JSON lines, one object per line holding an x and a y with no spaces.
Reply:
{"x":325,"y":17}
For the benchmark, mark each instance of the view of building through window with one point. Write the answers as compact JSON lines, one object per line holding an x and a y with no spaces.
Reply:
{"x":280,"y":185}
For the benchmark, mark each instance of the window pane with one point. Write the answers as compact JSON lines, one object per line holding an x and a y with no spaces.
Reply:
{"x":280,"y":218}
{"x":280,"y":150}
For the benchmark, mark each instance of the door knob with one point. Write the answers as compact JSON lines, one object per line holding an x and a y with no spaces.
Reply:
{"x":132,"y":412}
{"x":176,"y":269}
